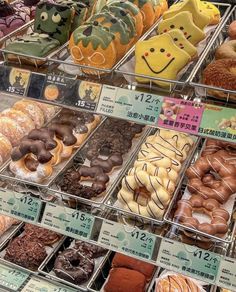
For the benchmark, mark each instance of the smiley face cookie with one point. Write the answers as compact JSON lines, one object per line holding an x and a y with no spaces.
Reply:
{"x":181,"y":41}
{"x":184,"y":22}
{"x":159,"y":57}
{"x":210,"y":10}
{"x":200,"y":19}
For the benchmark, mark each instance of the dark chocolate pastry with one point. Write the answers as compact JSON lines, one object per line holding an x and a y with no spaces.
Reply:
{"x":73,"y":266}
{"x":113,"y":160}
{"x":26,"y":251}
{"x":71,"y":182}
{"x":45,"y":236}
{"x":90,"y":249}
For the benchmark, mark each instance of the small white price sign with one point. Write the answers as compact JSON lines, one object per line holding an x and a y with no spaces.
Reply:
{"x":19,"y":205}
{"x":227,"y":274}
{"x":67,"y":221}
{"x":129,"y":240}
{"x":36,"y":284}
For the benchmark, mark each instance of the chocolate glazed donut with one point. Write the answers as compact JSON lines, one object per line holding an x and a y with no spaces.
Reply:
{"x":73,"y":266}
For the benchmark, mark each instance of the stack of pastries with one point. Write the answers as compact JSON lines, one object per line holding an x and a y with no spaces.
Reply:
{"x":211,"y":183}
{"x":128,"y":274}
{"x":104,"y":151}
{"x":18,"y":121}
{"x":181,"y":29}
{"x":107,"y":35}
{"x":147,"y":188}
{"x":37,"y":154}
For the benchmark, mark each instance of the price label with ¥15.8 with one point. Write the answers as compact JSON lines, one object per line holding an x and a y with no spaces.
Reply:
{"x":67,"y":221}
{"x":20,"y":206}
{"x":36,"y":284}
{"x":12,"y":278}
{"x":127,"y":239}
{"x":188,"y":260}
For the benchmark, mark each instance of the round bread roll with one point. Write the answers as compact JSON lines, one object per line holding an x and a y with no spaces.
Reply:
{"x":232,"y":30}
{"x":5,"y":149}
{"x":12,"y":130}
{"x":21,"y":118}
{"x":31,"y":109}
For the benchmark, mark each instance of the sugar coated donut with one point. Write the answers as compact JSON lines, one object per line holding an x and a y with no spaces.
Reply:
{"x":12,"y":130}
{"x":5,"y":148}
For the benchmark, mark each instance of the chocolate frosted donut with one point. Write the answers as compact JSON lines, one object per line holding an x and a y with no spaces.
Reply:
{"x":45,"y":236}
{"x":71,"y":182}
{"x":92,"y":250}
{"x":73,"y":266}
{"x":26,"y":251}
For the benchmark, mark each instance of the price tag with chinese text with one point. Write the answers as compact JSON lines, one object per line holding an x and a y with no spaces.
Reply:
{"x":227,"y":274}
{"x":67,"y":221}
{"x":189,"y":260}
{"x":129,"y":240}
{"x":20,"y":206}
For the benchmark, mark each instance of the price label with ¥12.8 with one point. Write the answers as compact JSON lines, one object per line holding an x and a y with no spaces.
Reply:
{"x":12,"y":278}
{"x":188,"y":260}
{"x":67,"y":221}
{"x":127,"y":239}
{"x":36,"y":284}
{"x":20,"y":206}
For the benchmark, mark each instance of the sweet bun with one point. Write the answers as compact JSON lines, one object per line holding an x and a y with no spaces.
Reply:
{"x":11,"y":130}
{"x":5,"y":148}
{"x":23,"y":120}
{"x":49,"y":111}
{"x":125,"y":280}
{"x":31,"y":109}
{"x":123,"y":261}
{"x":226,"y":50}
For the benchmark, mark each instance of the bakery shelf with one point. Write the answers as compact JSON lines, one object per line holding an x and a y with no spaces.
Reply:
{"x":80,"y":159}
{"x":201,"y":89}
{"x":182,"y":192}
{"x":112,"y":202}
{"x":5,"y":172}
{"x":186,"y":73}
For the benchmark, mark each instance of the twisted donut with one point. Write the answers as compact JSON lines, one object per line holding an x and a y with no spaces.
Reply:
{"x":159,"y":172}
{"x":160,"y":151}
{"x":219,"y":189}
{"x":212,"y":146}
{"x":31,"y":161}
{"x":143,"y":194}
{"x":219,"y":216}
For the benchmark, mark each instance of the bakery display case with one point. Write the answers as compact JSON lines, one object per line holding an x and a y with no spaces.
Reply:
{"x":117,"y":156}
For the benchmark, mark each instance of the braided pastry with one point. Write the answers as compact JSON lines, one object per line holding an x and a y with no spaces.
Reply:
{"x":202,"y":182}
{"x":219,"y":216}
{"x":143,"y":194}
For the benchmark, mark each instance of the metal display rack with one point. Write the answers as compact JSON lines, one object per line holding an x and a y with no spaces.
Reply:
{"x":145,"y":238}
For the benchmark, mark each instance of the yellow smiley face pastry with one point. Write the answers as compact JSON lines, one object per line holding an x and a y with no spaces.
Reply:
{"x":181,"y":41}
{"x":199,"y":18}
{"x":184,"y":22}
{"x":159,"y":57}
{"x":210,"y":10}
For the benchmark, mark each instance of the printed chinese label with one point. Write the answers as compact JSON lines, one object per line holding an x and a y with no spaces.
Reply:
{"x":180,"y":115}
{"x":12,"y":278}
{"x":127,"y":239}
{"x":20,"y":206}
{"x":188,"y":260}
{"x":67,"y":221}
{"x":129,"y":104}
{"x":36,"y":284}
{"x":227,"y":274}
{"x":218,"y":122}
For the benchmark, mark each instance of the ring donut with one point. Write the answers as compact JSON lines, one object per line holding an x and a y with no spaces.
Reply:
{"x":218,"y":225}
{"x":143,"y":194}
{"x":208,"y":186}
